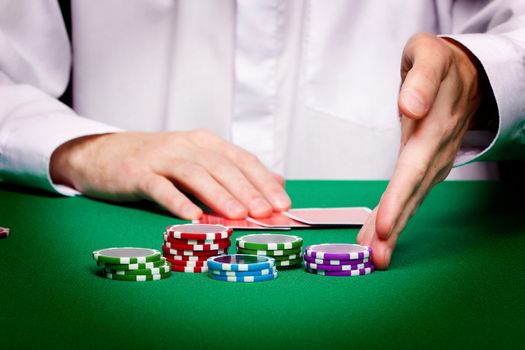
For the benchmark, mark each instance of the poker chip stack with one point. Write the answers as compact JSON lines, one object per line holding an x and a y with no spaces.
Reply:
{"x":132,"y":264}
{"x":285,"y":249}
{"x":242,"y":268}
{"x":338,"y":259}
{"x":187,"y":247}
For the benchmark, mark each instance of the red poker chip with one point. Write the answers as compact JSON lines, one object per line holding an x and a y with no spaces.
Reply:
{"x":198,"y":247}
{"x":197,"y":263}
{"x":185,"y":257}
{"x":197,"y":269}
{"x":199,"y":231}
{"x":4,"y":232}
{"x":208,"y":253}
{"x":168,"y":238}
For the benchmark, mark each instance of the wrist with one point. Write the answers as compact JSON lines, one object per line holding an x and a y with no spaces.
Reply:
{"x":65,"y":160}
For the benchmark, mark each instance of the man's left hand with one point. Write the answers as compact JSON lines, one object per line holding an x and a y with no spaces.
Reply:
{"x":438,"y":98}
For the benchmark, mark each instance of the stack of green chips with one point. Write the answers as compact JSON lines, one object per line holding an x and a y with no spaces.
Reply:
{"x":132,"y":264}
{"x":285,"y":249}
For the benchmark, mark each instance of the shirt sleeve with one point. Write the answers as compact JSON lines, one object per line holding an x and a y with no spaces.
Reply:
{"x":496,"y":36}
{"x":35,"y":61}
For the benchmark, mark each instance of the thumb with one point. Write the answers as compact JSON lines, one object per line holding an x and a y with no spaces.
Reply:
{"x":425,"y":63}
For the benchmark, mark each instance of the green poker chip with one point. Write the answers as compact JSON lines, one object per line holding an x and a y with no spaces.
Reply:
{"x":288,"y":257}
{"x":269,"y":241}
{"x":142,"y":266}
{"x":286,"y":263}
{"x":138,"y":278}
{"x":271,"y":253}
{"x":153,"y":271}
{"x":126,"y":255}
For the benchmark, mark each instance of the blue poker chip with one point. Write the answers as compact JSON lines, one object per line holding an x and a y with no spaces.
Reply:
{"x":245,"y":279}
{"x":263,"y":272}
{"x":240,"y":262}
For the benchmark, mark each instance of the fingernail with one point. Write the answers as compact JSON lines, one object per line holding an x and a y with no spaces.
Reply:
{"x":281,"y":201}
{"x":191,"y":211}
{"x":413,"y":102}
{"x":260,"y":206}
{"x":234,"y":208}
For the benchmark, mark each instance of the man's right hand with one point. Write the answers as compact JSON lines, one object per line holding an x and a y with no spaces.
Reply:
{"x":163,"y":166}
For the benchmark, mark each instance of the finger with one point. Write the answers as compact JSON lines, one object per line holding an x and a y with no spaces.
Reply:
{"x":426,"y":61}
{"x":229,"y":176}
{"x":365,"y":231}
{"x":250,"y":166}
{"x":279,"y":178}
{"x":436,"y":174}
{"x":263,"y":180}
{"x":412,"y":167}
{"x":160,"y":190}
{"x":195,"y":179}
{"x":382,"y":250}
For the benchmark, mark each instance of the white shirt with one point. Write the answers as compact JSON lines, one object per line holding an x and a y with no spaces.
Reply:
{"x":308,"y":86}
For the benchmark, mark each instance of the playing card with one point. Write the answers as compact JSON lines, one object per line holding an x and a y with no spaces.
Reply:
{"x":330,"y":216}
{"x":278,"y":220}
{"x":214,"y":219}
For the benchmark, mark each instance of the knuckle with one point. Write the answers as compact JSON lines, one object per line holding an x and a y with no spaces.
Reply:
{"x":216,"y":163}
{"x":148,"y":184}
{"x":186,"y":170}
{"x":247,"y":159}
{"x":178,"y":141}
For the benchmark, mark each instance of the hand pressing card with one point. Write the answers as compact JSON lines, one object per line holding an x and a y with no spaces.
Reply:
{"x":330,"y":216}
{"x":278,"y":220}
{"x":214,"y":219}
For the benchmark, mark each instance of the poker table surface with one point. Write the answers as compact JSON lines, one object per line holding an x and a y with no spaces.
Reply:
{"x":457,"y":279}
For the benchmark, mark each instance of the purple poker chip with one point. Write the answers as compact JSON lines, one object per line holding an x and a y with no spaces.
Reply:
{"x":335,"y":262}
{"x":312,"y":266}
{"x":338,"y":251}
{"x":360,"y":272}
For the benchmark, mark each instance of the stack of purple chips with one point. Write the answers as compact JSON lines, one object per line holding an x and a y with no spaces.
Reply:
{"x":338,"y":259}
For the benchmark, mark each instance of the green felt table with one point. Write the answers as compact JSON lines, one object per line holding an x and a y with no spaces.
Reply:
{"x":457,"y":279}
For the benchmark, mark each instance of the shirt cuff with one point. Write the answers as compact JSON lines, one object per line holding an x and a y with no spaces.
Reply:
{"x":502,"y":59}
{"x":28,"y":141}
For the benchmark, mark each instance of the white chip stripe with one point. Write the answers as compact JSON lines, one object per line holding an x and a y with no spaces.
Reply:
{"x":138,"y":278}
{"x":271,"y":252}
{"x":247,"y":278}
{"x":194,"y":264}
{"x":154,"y":271}
{"x":198,"y":247}
{"x":343,"y":267}
{"x":189,"y":252}
{"x":316,"y":252}
{"x":288,"y":262}
{"x":208,"y":236}
{"x":242,"y":241}
{"x":188,"y":258}
{"x":351,"y":256}
{"x":367,"y":270}
{"x":263,"y":272}
{"x":335,"y":262}
{"x":192,"y":241}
